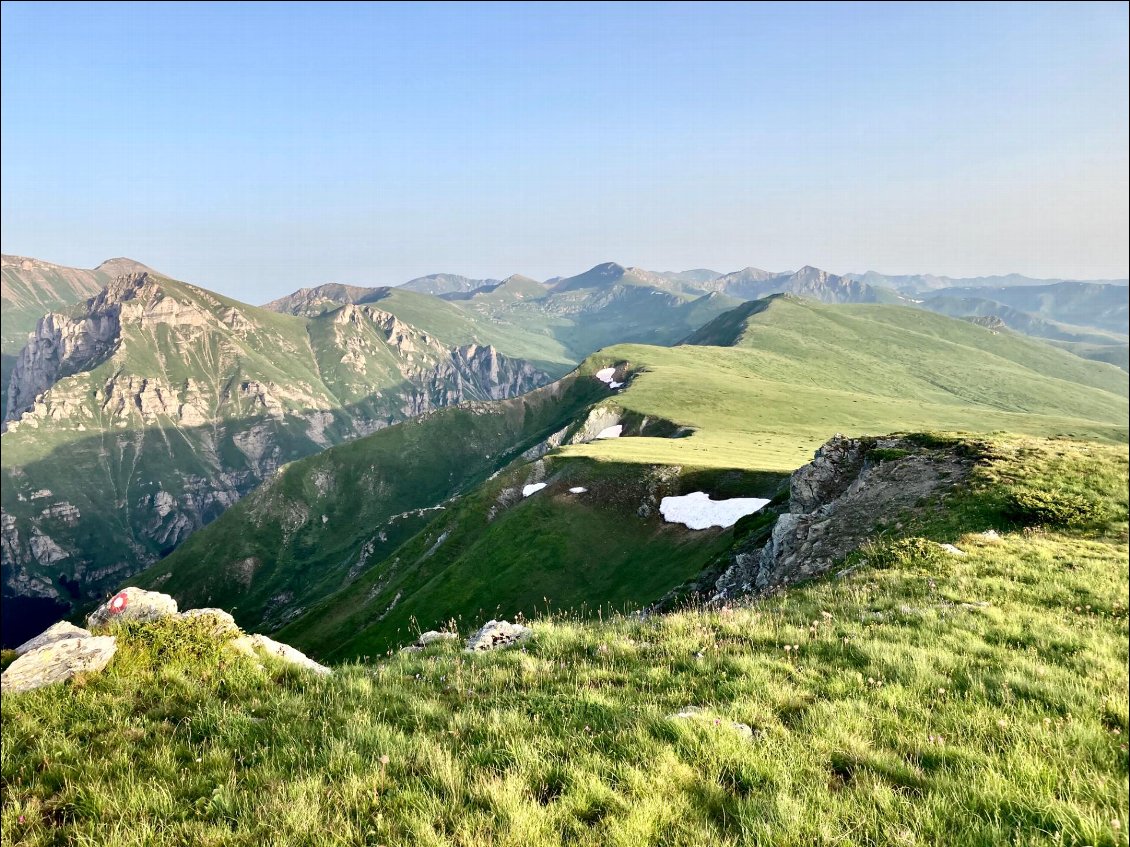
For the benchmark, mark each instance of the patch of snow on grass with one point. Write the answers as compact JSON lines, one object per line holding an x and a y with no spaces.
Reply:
{"x":605,"y":374}
{"x":698,"y":511}
{"x":611,"y":432}
{"x":615,"y":384}
{"x":577,"y":490}
{"x":533,"y":488}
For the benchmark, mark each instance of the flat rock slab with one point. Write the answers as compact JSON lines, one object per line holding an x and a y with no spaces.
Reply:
{"x":58,"y":661}
{"x":495,"y":635}
{"x":132,"y":604}
{"x":250,"y":645}
{"x":55,"y":632}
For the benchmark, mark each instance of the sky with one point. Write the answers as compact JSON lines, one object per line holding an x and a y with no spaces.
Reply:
{"x":254,"y":149}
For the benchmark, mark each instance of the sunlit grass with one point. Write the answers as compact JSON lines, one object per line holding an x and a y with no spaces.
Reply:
{"x":924,"y":698}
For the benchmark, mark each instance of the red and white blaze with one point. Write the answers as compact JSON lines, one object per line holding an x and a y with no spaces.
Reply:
{"x":118,"y":603}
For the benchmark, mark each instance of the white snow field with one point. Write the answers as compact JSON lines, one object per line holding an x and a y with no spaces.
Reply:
{"x":611,"y":432}
{"x":698,"y":511}
{"x":577,"y":490}
{"x":605,"y":374}
{"x":533,"y":488}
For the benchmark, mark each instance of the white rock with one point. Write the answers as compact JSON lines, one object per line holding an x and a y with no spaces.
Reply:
{"x":953,"y":551}
{"x":695,"y":713}
{"x":698,"y":511}
{"x":497,"y":634}
{"x":55,"y":632}
{"x":532,"y":488}
{"x":132,"y":604}
{"x":250,"y":644}
{"x":58,"y":662}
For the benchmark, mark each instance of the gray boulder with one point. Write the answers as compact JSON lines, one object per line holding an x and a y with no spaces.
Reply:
{"x":53,"y":633}
{"x":58,"y":661}
{"x":252,"y":645}
{"x":132,"y":604}
{"x":495,"y":635}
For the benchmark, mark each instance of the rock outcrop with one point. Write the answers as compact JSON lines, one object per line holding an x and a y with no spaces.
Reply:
{"x":251,"y":645}
{"x":185,"y":402}
{"x":65,"y":650}
{"x":852,"y":488}
{"x":58,"y":661}
{"x":132,"y":604}
{"x":495,"y":635}
{"x":56,"y":632}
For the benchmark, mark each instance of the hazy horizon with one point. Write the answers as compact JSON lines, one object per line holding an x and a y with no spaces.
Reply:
{"x":257,"y":149}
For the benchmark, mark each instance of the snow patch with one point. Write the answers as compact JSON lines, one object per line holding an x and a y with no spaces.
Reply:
{"x":698,"y":511}
{"x":533,"y":488}
{"x":577,"y":490}
{"x":605,"y":374}
{"x":615,"y":384}
{"x":611,"y":432}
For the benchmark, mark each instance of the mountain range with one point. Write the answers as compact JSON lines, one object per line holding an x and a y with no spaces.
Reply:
{"x":139,"y":408}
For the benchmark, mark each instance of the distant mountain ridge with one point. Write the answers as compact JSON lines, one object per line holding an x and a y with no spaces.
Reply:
{"x":144,"y":412}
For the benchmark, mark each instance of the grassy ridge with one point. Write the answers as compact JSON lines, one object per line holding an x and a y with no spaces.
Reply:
{"x":300,"y":536}
{"x":923,"y":699}
{"x":798,"y":374}
{"x":494,"y":553}
{"x":794,"y":372}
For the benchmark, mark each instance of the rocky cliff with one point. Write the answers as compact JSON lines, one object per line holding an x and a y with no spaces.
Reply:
{"x":155,"y":405}
{"x":852,"y":490}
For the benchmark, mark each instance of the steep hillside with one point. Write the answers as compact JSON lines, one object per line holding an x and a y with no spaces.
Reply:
{"x":725,"y":420}
{"x":321,"y":522}
{"x":155,"y":405}
{"x":930,"y":695}
{"x":31,"y":288}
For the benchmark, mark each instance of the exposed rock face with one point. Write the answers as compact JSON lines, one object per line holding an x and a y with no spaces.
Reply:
{"x":58,"y":661}
{"x":250,"y":644}
{"x":495,"y":635}
{"x":133,"y":604}
{"x":64,"y":650}
{"x":176,"y":403}
{"x":837,"y":502}
{"x":56,"y":632}
{"x":59,"y":347}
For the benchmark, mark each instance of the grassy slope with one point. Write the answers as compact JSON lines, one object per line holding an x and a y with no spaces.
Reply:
{"x":494,"y":553}
{"x":934,"y":700}
{"x":363,"y":489}
{"x":800,"y":371}
{"x":477,"y":558}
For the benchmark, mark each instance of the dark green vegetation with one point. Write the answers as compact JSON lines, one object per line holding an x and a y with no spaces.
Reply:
{"x":796,"y":373}
{"x":922,"y":699}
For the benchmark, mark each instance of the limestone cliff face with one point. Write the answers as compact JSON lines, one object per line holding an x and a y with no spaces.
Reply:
{"x":156,"y":405}
{"x":59,"y":347}
{"x":851,"y":488}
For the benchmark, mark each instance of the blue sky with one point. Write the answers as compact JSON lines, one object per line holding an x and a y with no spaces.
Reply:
{"x":257,"y":148}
